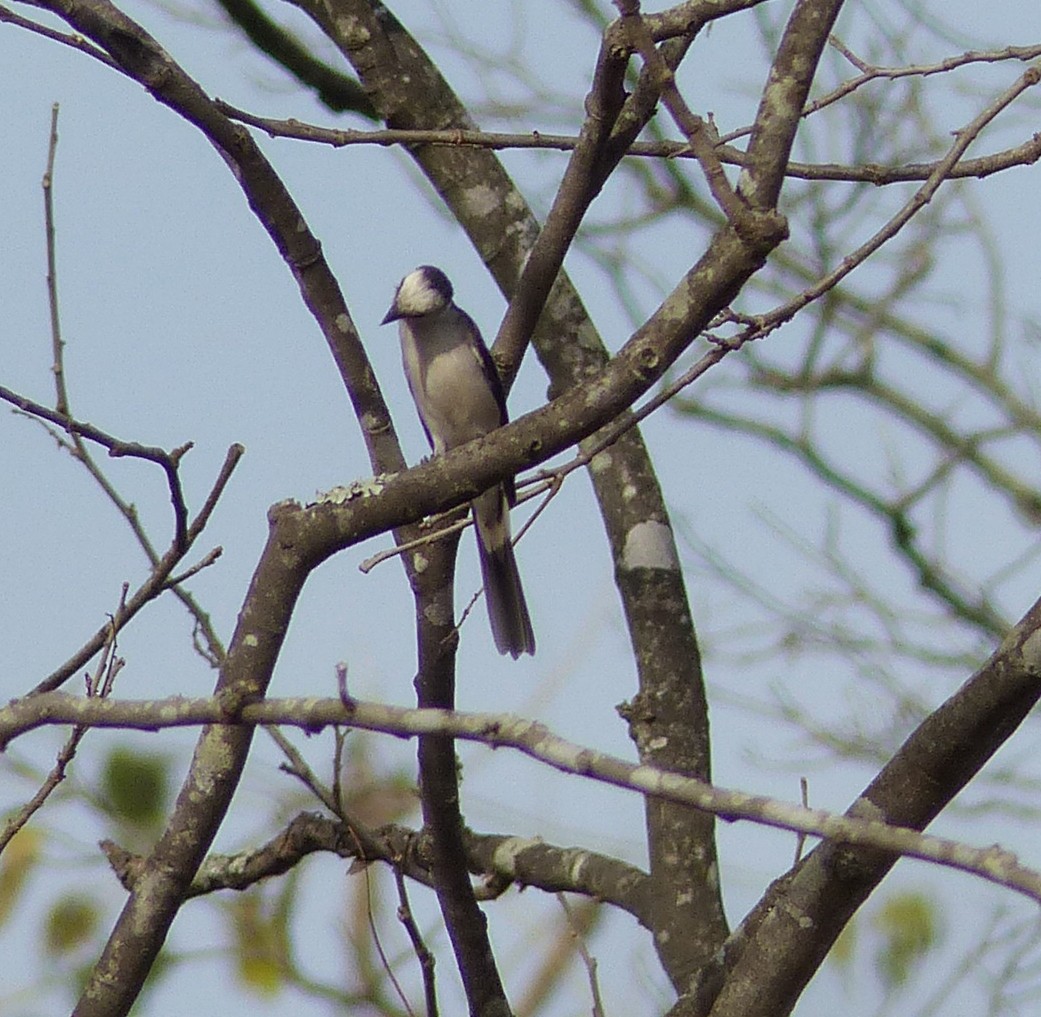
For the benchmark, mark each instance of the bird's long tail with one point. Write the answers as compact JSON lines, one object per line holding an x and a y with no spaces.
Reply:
{"x":507,"y":609}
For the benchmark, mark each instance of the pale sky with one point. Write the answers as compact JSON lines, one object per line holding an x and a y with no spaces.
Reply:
{"x":183,"y":324}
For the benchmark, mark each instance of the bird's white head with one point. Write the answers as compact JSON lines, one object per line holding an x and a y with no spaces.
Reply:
{"x":425,"y":290}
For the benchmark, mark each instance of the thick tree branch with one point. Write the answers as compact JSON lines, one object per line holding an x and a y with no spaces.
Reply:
{"x":338,"y":91}
{"x":504,"y":859}
{"x":411,"y":94}
{"x":220,"y":754}
{"x":139,"y":56}
{"x":434,"y":589}
{"x":981,"y":715}
{"x":783,"y":941}
{"x":784,"y":97}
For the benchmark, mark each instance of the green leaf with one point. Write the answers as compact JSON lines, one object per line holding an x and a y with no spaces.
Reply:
{"x":136,"y":786}
{"x":843,"y":949}
{"x":70,"y":922}
{"x":910,"y":929}
{"x":19,"y":857}
{"x":261,"y":974}
{"x":261,"y":943}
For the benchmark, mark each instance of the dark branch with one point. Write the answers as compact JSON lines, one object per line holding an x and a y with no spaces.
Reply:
{"x":338,"y":91}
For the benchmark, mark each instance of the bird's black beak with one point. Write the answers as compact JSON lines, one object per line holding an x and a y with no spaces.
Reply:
{"x":392,"y":315}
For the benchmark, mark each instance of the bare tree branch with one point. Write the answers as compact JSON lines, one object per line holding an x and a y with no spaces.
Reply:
{"x":338,"y":91}
{"x":98,"y":686}
{"x":982,"y":705}
{"x":1025,"y":154}
{"x":169,"y":461}
{"x":155,"y":584}
{"x":764,"y":965}
{"x":411,"y":93}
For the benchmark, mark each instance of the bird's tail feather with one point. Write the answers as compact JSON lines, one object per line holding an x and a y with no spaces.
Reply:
{"x":507,"y":609}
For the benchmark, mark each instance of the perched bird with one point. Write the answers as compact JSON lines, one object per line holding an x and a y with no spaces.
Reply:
{"x":459,"y":396}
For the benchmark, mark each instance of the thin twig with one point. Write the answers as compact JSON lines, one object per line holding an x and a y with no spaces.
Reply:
{"x":804,"y":798}
{"x":423,"y":954}
{"x":203,"y":563}
{"x":153,"y":585}
{"x":62,"y":418}
{"x":872,"y":72}
{"x":431,"y":537}
{"x":772,"y":320}
{"x":57,"y":344}
{"x":98,"y":686}
{"x":296,"y":766}
{"x":1025,"y":154}
{"x":71,"y":39}
{"x":62,"y":415}
{"x":384,"y":959}
{"x":583,"y":951}
{"x":699,"y":137}
{"x":117,"y":447}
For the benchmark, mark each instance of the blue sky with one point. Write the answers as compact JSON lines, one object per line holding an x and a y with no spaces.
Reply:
{"x":183,"y":324}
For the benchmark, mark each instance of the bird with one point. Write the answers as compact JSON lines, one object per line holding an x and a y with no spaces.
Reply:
{"x":459,"y":396}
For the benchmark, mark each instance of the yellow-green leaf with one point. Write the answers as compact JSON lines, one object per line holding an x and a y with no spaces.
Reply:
{"x":17,"y":861}
{"x":70,"y":922}
{"x":843,"y":948}
{"x":261,"y":946}
{"x":261,"y":974}
{"x":135,"y":786}
{"x":910,"y":928}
